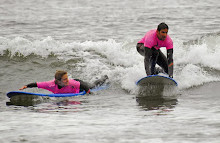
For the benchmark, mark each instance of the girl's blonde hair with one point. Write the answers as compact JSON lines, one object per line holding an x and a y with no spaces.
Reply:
{"x":58,"y":75}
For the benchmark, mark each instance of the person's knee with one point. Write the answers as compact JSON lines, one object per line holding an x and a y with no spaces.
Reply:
{"x":140,"y":48}
{"x":139,"y":45}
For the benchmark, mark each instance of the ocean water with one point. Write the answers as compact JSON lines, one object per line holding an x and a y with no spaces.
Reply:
{"x":93,"y":38}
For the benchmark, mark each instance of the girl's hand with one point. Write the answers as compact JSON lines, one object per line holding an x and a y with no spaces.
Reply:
{"x":23,"y":87}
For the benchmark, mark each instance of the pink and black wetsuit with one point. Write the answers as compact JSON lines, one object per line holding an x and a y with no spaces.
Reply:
{"x":75,"y":86}
{"x":151,"y":40}
{"x":149,"y":47}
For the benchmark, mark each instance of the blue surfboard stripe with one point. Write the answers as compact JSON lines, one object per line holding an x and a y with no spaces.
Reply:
{"x":157,"y":76}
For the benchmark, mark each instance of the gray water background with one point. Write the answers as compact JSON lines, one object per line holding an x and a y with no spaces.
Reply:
{"x":113,"y":115}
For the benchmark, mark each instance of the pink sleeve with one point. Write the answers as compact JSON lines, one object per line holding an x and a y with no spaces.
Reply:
{"x":46,"y":84}
{"x":42,"y":84}
{"x":150,"y":39}
{"x":169,"y":43}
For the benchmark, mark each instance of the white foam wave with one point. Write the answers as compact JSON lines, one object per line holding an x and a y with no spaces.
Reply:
{"x":195,"y":62}
{"x":206,"y":54}
{"x":192,"y":75}
{"x":21,"y":46}
{"x":120,"y":60}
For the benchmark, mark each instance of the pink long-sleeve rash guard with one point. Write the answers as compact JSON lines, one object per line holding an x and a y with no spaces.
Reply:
{"x":73,"y":87}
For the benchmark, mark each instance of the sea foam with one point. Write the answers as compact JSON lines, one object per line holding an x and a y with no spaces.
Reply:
{"x":193,"y":62}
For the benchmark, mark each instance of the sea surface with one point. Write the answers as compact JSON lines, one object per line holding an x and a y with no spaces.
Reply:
{"x":91,"y":38}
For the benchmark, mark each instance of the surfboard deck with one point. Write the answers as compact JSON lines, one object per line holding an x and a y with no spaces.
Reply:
{"x":155,"y":85}
{"x":156,"y":80}
{"x":15,"y":93}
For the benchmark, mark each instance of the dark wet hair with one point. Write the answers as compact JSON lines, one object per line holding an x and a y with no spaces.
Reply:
{"x":162,"y":26}
{"x":59,"y":74}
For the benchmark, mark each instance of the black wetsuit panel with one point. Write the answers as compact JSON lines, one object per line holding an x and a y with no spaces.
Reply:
{"x":153,"y":57}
